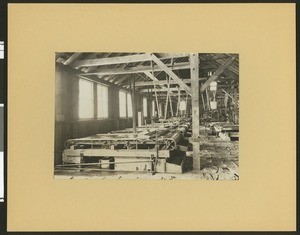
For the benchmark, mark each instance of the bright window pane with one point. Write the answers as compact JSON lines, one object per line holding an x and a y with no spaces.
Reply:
{"x":102,"y":96}
{"x":86,"y":99}
{"x":129,"y":105}
{"x":122,"y":103}
{"x":145,"y":107}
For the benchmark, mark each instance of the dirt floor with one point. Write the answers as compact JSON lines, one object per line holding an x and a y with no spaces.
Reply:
{"x":219,"y":161}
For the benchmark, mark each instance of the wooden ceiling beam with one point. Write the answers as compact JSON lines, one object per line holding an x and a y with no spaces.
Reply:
{"x":111,"y":60}
{"x":163,"y":89}
{"x":227,"y":72}
{"x":120,"y":59}
{"x":176,"y":89}
{"x":151,"y":76}
{"x":161,"y":82}
{"x":137,"y":69}
{"x":171,"y":73}
{"x":218,"y":72}
{"x":76,"y":73}
{"x":72,"y":58}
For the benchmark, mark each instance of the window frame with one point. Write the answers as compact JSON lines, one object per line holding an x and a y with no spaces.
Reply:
{"x":144,"y":98}
{"x":121,"y":91}
{"x":93,"y":100}
{"x":127,"y":105}
{"x":97,"y":101}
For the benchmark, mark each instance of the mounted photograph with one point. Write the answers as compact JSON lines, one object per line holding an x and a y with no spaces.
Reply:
{"x":148,"y":115}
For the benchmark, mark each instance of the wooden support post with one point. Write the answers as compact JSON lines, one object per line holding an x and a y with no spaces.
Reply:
{"x":133,"y":101}
{"x":186,"y":100}
{"x":232,"y":108}
{"x":194,"y":60}
{"x":235,"y":106}
{"x":167,"y":99}
{"x":203,"y":101}
{"x":154,"y":80}
{"x":171,"y":105}
{"x":178,"y":102}
{"x":207,"y":99}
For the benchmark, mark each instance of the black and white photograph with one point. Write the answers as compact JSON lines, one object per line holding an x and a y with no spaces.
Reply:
{"x":146,"y":116}
{"x":125,"y":117}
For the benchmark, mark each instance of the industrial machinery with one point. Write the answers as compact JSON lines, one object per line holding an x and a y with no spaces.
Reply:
{"x":152,"y":148}
{"x":224,"y":130}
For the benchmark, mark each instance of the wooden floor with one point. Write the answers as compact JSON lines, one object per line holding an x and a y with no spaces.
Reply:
{"x":219,"y":161}
{"x":219,"y":158}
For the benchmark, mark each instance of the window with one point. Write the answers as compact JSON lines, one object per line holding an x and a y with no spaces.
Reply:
{"x":129,"y":105}
{"x":145,"y":107}
{"x":102,"y":101}
{"x":122,"y":104}
{"x":86,"y":99}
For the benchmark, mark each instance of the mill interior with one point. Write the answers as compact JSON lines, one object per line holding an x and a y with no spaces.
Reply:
{"x":147,"y":115}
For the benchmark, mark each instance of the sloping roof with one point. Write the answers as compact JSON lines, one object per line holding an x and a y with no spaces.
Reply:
{"x":116,"y":68}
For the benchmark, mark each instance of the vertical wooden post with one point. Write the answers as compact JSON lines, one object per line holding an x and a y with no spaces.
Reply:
{"x":194,"y":61}
{"x":95,"y":101}
{"x":168,"y":95}
{"x":166,"y":107}
{"x":171,"y":105}
{"x":133,"y":107}
{"x":226,"y":104}
{"x":152,"y":112}
{"x":207,"y":99}
{"x":178,"y":103}
{"x":203,"y":101}
{"x":235,"y":106}
{"x":186,"y":100}
{"x":232,"y":101}
{"x":149,"y":106}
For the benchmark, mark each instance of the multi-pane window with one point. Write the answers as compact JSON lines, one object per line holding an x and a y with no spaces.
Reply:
{"x":145,"y":107}
{"x":102,"y":101}
{"x":129,"y":105}
{"x":86,"y":99}
{"x":122,"y":104}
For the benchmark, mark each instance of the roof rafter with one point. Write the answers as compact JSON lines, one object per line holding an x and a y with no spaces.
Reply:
{"x":218,"y":72}
{"x":120,"y":59}
{"x":170,"y":73}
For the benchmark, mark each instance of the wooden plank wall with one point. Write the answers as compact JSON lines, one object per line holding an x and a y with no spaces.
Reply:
{"x":67,"y":124}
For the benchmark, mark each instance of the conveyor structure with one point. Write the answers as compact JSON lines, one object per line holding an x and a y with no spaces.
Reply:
{"x":151,"y":149}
